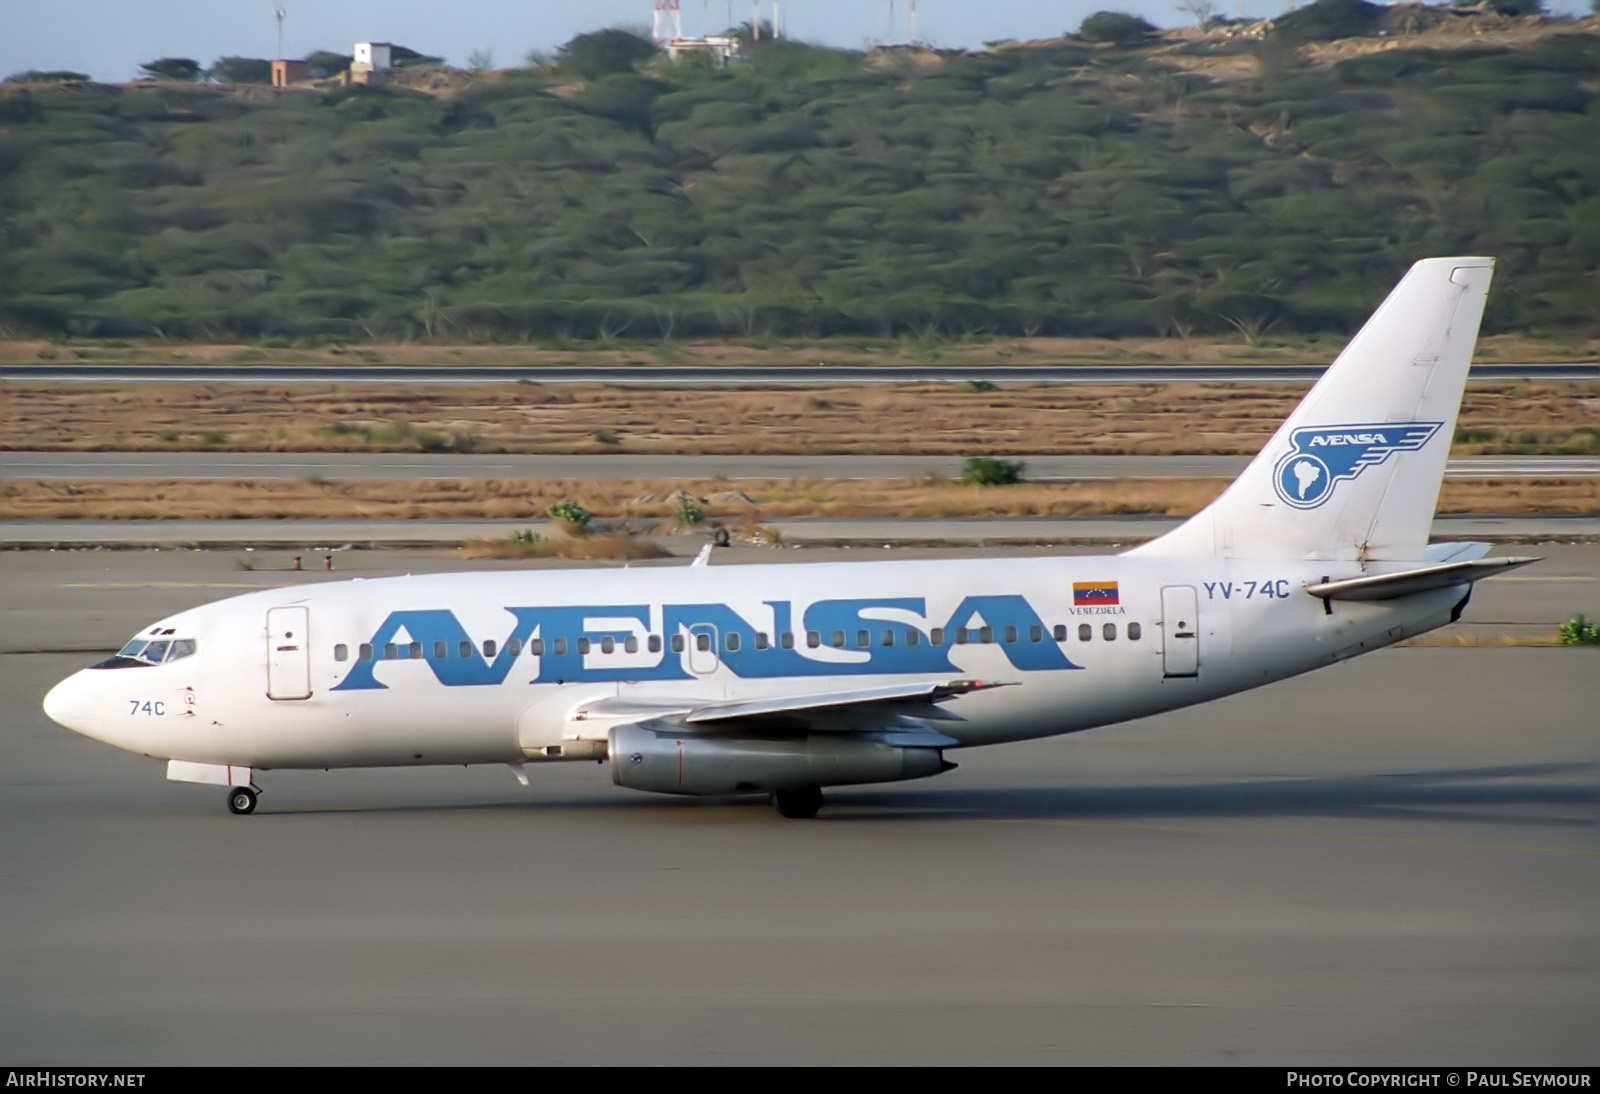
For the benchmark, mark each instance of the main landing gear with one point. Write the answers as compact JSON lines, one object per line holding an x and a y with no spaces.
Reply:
{"x":242,"y":800}
{"x":799,"y":804}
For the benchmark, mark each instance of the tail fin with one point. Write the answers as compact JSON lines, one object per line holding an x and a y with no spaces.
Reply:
{"x":1355,"y":471}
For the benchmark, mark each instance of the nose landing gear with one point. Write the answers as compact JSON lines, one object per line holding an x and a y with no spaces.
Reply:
{"x":242,"y":800}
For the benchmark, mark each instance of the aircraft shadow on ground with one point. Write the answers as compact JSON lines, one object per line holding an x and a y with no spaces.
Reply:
{"x":1554,"y":795}
{"x":1551,"y":795}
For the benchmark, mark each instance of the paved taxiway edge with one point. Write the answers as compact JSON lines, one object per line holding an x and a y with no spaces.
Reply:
{"x":924,"y":532}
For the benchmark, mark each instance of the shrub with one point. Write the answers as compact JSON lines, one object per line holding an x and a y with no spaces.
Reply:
{"x":1327,"y":20}
{"x":570,"y":514}
{"x":1116,"y":27}
{"x":183,"y":69}
{"x":602,"y":53}
{"x":1578,"y":631}
{"x":989,"y":471}
{"x":689,"y":512}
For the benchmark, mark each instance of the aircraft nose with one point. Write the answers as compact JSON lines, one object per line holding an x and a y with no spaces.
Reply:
{"x":71,"y":704}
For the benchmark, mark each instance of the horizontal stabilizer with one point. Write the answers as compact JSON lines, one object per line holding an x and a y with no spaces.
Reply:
{"x":1407,"y":582}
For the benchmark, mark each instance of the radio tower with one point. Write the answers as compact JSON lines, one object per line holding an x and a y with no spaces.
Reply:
{"x":910,"y":19}
{"x":668,"y":23}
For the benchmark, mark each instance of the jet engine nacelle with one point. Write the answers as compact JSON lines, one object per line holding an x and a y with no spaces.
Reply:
{"x":674,"y":763}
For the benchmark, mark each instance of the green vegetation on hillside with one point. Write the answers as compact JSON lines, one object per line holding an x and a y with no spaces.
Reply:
{"x":1067,"y":188}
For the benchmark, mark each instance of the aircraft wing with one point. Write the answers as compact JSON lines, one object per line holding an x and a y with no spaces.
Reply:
{"x":851,"y":710}
{"x":1420,"y":580}
{"x":835,"y":702}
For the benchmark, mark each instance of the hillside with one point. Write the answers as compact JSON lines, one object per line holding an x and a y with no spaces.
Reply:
{"x":1190,"y":183}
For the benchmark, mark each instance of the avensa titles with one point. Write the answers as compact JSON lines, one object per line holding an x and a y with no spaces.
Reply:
{"x":613,"y":642}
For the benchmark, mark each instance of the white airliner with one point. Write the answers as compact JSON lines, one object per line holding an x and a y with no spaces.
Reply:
{"x":784,"y":679}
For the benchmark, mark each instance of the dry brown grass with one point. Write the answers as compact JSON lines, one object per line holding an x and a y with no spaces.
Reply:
{"x":505,"y":499}
{"x":615,"y":547}
{"x":935,"y":419}
{"x":1550,"y":638}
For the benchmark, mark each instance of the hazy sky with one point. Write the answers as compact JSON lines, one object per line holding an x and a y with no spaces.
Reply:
{"x":109,"y":39}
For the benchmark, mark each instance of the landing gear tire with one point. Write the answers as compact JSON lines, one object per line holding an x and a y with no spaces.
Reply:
{"x":242,"y":800}
{"x":797,"y":804}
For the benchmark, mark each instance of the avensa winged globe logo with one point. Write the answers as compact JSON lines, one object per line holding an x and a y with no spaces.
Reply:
{"x":1322,"y":456}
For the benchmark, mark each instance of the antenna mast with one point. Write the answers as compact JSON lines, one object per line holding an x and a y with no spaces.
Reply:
{"x":279,"y":13}
{"x":669,"y":19}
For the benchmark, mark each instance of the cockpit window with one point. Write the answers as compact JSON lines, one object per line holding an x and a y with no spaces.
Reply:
{"x":145,"y":652}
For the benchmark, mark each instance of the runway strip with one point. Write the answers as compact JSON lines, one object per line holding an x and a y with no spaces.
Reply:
{"x":818,"y":532}
{"x":338,"y":467}
{"x":761,"y":375}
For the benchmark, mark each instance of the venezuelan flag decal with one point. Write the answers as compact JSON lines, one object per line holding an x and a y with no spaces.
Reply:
{"x":1094,"y":593}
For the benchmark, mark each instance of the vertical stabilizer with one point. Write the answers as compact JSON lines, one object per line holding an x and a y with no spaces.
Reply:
{"x":1355,"y":471}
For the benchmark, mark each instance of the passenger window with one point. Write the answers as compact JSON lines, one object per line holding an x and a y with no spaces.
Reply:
{"x":761,"y":640}
{"x":390,"y":651}
{"x":464,"y":649}
{"x":702,"y":641}
{"x":961,"y":636}
{"x":630,"y":644}
{"x":441,"y":650}
{"x":514,"y":647}
{"x":559,"y":647}
{"x":863,"y":640}
{"x":1011,"y":635}
{"x":732,"y":641}
{"x":913,"y":637}
{"x":488,"y":650}
{"x":365,"y":651}
{"x":1036,"y":634}
{"x":838,"y":640}
{"x":583,"y":645}
{"x":1060,"y":632}
{"x":786,"y":640}
{"x":677,"y":643}
{"x":341,"y":652}
{"x":936,"y":636}
{"x":1085,"y":632}
{"x":888,"y":638}
{"x":536,"y":647}
{"x":1109,"y":632}
{"x":986,"y":635}
{"x":813,"y":639}
{"x":654,"y":643}
{"x":608,"y":644}
{"x":1133,"y":632}
{"x":414,"y":651}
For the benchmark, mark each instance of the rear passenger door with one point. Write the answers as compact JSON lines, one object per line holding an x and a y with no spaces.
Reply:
{"x":1180,"y":630}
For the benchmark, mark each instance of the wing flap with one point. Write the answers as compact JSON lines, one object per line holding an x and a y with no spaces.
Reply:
{"x":924,"y":692}
{"x":853,"y":710}
{"x":1420,"y":580}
